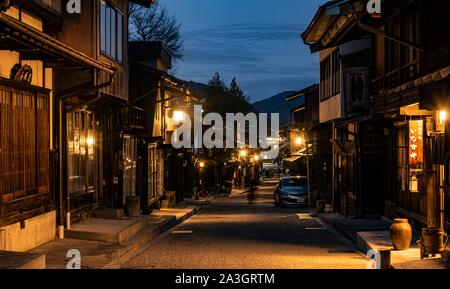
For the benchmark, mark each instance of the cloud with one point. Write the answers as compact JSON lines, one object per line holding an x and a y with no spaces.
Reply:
{"x":266,"y":58}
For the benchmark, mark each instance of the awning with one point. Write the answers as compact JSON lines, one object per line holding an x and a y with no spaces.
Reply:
{"x":26,"y":36}
{"x":292,"y":159}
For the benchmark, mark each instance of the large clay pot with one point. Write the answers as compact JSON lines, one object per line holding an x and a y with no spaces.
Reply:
{"x":401,"y":234}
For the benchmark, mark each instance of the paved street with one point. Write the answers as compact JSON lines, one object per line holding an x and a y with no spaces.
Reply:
{"x":230,"y":234}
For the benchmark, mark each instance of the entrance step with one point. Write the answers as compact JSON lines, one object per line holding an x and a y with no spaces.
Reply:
{"x":17,"y":260}
{"x":108,"y":230}
{"x":112,"y":214}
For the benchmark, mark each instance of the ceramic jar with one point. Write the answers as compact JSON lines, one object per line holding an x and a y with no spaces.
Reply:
{"x":401,"y":234}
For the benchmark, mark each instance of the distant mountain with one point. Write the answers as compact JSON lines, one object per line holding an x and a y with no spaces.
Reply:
{"x":278,"y":104}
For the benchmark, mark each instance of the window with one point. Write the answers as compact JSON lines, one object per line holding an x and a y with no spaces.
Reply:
{"x":155,"y":173}
{"x":111,"y":30}
{"x":357,"y":88}
{"x":129,"y":167}
{"x":24,"y":144}
{"x":80,"y":152}
{"x":330,"y":76}
{"x":336,"y":85}
{"x":325,"y":73}
{"x":295,"y":182}
{"x":398,"y":56}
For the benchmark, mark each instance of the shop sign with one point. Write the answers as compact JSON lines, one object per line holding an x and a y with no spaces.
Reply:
{"x":415,"y":142}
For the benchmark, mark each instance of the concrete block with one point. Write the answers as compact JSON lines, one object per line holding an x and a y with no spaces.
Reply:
{"x":107,"y":230}
{"x":37,"y":231}
{"x":19,"y":260}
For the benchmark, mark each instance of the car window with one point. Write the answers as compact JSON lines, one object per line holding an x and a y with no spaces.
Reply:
{"x":295,"y":182}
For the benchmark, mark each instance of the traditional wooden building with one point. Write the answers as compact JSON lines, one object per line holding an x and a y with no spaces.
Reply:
{"x":394,"y":104}
{"x":64,"y":93}
{"x":165,"y":100}
{"x":311,"y":148}
{"x":98,"y":142}
{"x":344,"y":95}
{"x":410,"y":88}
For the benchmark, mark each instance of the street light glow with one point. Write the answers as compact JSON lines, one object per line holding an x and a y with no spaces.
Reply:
{"x":442,"y":116}
{"x":90,"y":141}
{"x":243,"y":153}
{"x":178,"y":116}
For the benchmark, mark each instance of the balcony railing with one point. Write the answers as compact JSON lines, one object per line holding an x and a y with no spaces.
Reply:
{"x":396,"y":77}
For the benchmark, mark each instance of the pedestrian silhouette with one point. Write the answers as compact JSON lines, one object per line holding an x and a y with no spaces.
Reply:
{"x":252,"y":185}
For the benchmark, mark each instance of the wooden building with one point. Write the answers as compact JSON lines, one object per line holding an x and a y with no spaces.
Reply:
{"x":164,"y":100}
{"x":394,"y":101}
{"x":63,"y":116}
{"x":312,"y":139}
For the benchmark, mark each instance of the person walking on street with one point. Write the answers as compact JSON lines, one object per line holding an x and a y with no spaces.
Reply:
{"x":252,"y":186}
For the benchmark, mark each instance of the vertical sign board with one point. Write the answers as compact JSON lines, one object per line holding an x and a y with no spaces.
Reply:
{"x":415,"y":142}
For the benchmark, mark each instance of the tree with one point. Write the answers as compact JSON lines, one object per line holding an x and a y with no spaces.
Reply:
{"x":155,"y":24}
{"x":217,"y":82}
{"x":236,"y":91}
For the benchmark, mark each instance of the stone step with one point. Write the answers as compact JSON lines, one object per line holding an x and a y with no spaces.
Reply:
{"x":112,"y":214}
{"x":108,"y":230}
{"x":18,"y":260}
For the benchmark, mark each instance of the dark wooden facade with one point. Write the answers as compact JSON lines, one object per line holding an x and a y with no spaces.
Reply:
{"x":62,"y":137}
{"x":25,"y":187}
{"x":404,"y":80}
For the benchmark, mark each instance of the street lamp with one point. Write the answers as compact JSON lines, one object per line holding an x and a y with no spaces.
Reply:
{"x":442,"y":116}
{"x":299,"y":141}
{"x":243,"y":153}
{"x":178,"y":116}
{"x":90,"y":141}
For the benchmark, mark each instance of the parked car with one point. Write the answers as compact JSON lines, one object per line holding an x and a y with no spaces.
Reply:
{"x":291,"y":191}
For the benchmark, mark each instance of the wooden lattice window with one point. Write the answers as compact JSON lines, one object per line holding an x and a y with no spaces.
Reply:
{"x":24,"y":144}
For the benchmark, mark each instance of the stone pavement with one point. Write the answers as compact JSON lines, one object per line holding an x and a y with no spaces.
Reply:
{"x":96,"y":254}
{"x":233,"y":234}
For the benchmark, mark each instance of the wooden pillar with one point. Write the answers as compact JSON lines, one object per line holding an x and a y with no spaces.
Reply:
{"x":431,"y":185}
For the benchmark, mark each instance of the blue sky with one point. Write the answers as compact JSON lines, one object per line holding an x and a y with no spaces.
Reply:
{"x":258,"y":41}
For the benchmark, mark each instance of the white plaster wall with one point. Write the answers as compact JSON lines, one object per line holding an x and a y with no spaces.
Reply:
{"x":7,"y":61}
{"x":330,"y":109}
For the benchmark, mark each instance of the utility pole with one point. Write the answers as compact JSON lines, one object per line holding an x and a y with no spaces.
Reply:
{"x":308,"y":172}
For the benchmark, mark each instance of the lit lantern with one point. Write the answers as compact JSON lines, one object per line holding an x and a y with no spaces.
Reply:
{"x":414,"y":185}
{"x":202,"y":164}
{"x":441,"y":119}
